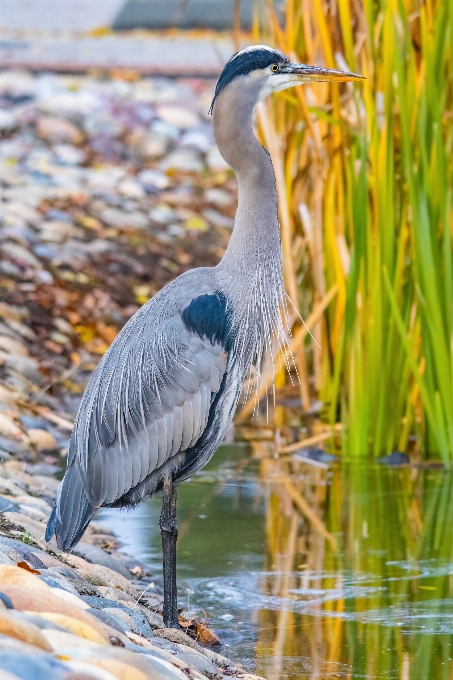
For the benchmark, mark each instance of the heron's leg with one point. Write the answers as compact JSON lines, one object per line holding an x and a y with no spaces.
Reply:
{"x":169,"y":533}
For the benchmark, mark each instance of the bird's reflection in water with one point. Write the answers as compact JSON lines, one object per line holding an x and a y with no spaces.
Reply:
{"x":354,"y":581}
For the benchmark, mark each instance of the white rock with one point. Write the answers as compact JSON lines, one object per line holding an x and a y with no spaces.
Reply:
{"x":20,"y":255}
{"x":8,"y":428}
{"x":63,"y":326}
{"x":153,"y":179}
{"x":42,"y":440}
{"x":7,"y":120}
{"x":131,"y":189}
{"x":124,"y":220}
{"x":183,"y":159}
{"x":58,"y":130}
{"x":196,"y":139}
{"x":218,"y":219}
{"x":148,"y":145}
{"x":166,"y":129}
{"x":74,"y":105}
{"x":25,"y":212}
{"x":12,"y":346}
{"x":218,"y":197}
{"x":215,"y":161}
{"x":177,"y":115}
{"x":102,"y":124}
{"x":7,"y":399}
{"x":68,"y":154}
{"x":162,"y":214}
{"x":44,"y":277}
{"x":58,"y":232}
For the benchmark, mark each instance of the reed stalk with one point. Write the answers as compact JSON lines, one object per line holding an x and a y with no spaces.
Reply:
{"x":365,"y":182}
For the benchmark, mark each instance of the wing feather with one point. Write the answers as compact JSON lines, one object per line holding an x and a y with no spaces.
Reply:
{"x":187,"y":427}
{"x":148,"y":400}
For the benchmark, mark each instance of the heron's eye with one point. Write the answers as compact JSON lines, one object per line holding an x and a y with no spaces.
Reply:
{"x":275,"y":68}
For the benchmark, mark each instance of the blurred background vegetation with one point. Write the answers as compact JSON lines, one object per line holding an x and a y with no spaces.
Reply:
{"x":364,"y":175}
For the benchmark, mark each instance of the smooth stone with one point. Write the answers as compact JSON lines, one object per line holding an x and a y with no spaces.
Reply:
{"x":110,"y":619}
{"x":58,"y":130}
{"x":6,"y":504}
{"x":153,"y":619}
{"x":30,"y":667}
{"x":178,"y":637}
{"x":73,"y":578}
{"x":68,"y":154}
{"x":17,"y":551}
{"x":44,"y":482}
{"x":121,"y":670}
{"x":134,"y":620}
{"x":199,"y":661}
{"x":148,"y":145}
{"x":13,"y":625}
{"x":117,"y":595}
{"x":153,"y":180}
{"x":97,"y":556}
{"x":184,"y":159}
{"x":215,"y":161}
{"x":11,"y":446}
{"x":69,"y":597}
{"x":154,"y":668}
{"x":42,"y":439}
{"x":33,"y":513}
{"x":44,"y":469}
{"x":73,"y":626}
{"x":8,"y":428}
{"x":12,"y":346}
{"x":4,"y":559}
{"x":87,"y":671}
{"x":218,"y":219}
{"x":124,"y":220}
{"x":30,"y":600}
{"x":218,"y":197}
{"x":17,"y":576}
{"x":54,"y":582}
{"x":178,"y":116}
{"x":39,"y":621}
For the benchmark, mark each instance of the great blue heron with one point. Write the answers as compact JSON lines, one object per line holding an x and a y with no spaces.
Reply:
{"x":159,"y":403}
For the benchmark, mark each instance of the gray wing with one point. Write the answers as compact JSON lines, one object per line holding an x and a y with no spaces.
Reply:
{"x":147,"y":402}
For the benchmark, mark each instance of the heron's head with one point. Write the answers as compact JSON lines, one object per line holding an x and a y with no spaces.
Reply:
{"x":257,"y":71}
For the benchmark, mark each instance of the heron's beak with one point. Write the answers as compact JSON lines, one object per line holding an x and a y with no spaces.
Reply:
{"x":307,"y":74}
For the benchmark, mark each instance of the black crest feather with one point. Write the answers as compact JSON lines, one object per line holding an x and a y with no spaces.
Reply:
{"x":243,"y":63}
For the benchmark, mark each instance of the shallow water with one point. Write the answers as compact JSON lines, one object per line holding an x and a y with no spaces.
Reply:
{"x":359,"y":585}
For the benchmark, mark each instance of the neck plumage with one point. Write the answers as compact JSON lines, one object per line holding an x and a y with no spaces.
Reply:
{"x":256,"y":228}
{"x":250,"y":272}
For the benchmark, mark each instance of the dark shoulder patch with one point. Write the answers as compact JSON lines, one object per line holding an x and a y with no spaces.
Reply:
{"x":208,"y":317}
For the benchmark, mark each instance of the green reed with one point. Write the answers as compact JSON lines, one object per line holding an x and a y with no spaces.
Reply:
{"x":368,"y":179}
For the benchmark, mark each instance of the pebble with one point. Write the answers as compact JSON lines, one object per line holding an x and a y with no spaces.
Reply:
{"x":57,"y":130}
{"x":184,"y":160}
{"x":181,"y":118}
{"x":42,"y":439}
{"x":148,"y":145}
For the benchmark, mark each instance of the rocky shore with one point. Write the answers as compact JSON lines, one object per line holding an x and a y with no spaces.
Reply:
{"x":93,"y":614}
{"x":110,"y":187}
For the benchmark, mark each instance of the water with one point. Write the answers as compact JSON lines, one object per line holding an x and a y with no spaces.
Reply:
{"x":356,"y":583}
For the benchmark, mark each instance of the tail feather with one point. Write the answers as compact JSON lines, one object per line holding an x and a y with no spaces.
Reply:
{"x":72,"y":512}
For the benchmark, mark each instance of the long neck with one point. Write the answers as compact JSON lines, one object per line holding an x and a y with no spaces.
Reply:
{"x":256,"y":228}
{"x":250,"y":272}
